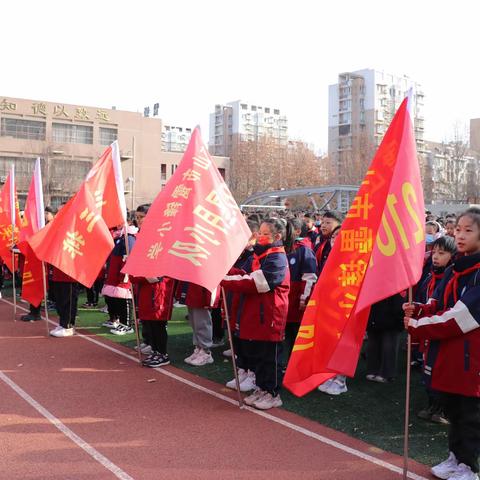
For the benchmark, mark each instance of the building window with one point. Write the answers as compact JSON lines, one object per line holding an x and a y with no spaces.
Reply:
{"x":64,"y":133}
{"x":108,"y":135}
{"x":276,"y":111}
{"x":163,"y":171}
{"x":267,"y":110}
{"x":16,"y":128}
{"x":254,"y":108}
{"x":244,"y":106}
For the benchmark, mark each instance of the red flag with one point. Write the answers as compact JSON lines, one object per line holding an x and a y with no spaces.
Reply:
{"x":378,"y":253}
{"x":194,"y":230}
{"x":105,"y":184}
{"x":33,"y":221}
{"x":9,"y":219}
{"x":76,"y":241}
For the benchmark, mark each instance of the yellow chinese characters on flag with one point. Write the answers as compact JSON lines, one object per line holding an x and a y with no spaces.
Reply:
{"x":378,"y":253}
{"x":77,"y":241}
{"x":9,"y":232}
{"x":194,"y":230}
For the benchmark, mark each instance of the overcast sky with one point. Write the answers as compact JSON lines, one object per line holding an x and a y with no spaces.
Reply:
{"x":188,"y":55}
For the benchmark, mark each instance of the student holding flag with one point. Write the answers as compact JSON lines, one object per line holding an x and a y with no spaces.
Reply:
{"x":262,"y":310}
{"x":451,"y":323}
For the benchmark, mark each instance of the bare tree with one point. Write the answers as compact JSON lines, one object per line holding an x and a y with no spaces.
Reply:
{"x":264,"y":164}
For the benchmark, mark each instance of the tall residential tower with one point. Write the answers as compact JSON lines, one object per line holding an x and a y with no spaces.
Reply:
{"x":361,"y":107}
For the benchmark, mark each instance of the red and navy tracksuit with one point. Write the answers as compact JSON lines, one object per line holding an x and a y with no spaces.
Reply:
{"x":451,"y":323}
{"x":322,"y":250}
{"x":261,"y":311}
{"x":117,"y":287}
{"x":303,"y":267}
{"x":154,"y":301}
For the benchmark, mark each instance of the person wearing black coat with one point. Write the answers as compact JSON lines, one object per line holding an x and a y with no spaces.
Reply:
{"x":385,"y":325}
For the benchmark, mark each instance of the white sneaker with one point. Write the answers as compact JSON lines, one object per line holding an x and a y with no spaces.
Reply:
{"x":253,"y":397}
{"x":227,"y":353}
{"x":463,"y":472}
{"x":325,"y":385}
{"x":62,"y":332}
{"x":337,"y":387}
{"x":445,"y":469}
{"x":203,"y":358}
{"x":58,"y":327}
{"x":267,"y":402}
{"x":196,"y":351}
{"x":242,"y":375}
{"x":122,"y":330}
{"x":249,"y":382}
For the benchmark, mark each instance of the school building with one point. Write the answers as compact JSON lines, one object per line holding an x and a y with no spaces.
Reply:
{"x":70,"y":138}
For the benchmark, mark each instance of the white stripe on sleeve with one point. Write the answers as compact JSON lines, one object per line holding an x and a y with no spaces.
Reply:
{"x":260,"y":281}
{"x":459,"y":312}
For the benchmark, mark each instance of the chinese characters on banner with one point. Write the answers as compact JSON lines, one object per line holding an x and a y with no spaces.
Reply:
{"x":194,"y":230}
{"x":379,"y":253}
{"x":60,"y":111}
{"x":8,"y":195}
{"x":77,"y":241}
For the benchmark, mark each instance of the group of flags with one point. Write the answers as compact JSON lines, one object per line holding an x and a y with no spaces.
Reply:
{"x":194,"y":231}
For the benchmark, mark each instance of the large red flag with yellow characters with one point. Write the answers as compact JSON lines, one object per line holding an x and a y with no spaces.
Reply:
{"x":77,"y":241}
{"x":105,"y":183}
{"x":9,"y":219}
{"x":378,"y":253}
{"x":33,"y":221}
{"x":194,"y":230}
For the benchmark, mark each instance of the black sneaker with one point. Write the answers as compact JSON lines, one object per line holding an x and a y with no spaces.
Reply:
{"x":29,"y":318}
{"x":156,"y":360}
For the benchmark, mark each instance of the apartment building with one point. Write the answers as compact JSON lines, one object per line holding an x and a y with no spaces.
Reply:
{"x":242,"y":121}
{"x":361,"y":107}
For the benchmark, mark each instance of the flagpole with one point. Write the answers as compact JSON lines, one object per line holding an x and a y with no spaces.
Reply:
{"x":230,"y":341}
{"x":407,"y":397}
{"x":45,"y":298}
{"x":13,"y":217}
{"x":13,"y":278}
{"x":134,"y":310}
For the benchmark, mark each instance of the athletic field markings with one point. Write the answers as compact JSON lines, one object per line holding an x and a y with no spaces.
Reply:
{"x":95,"y":454}
{"x":268,"y":416}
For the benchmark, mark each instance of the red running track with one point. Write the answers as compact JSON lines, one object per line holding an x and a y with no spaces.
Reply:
{"x":115,"y":423}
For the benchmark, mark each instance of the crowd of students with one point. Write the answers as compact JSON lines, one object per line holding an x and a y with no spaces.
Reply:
{"x":266,"y":293}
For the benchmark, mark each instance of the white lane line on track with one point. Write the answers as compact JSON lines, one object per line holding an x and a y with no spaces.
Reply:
{"x":268,"y":416}
{"x":96,"y":455}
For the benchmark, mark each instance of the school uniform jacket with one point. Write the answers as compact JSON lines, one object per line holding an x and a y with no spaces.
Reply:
{"x":117,"y":284}
{"x":451,"y":322}
{"x":322,"y":251}
{"x":233,"y":298}
{"x":303,"y":267}
{"x":195,"y":296}
{"x":154,"y":297}
{"x":261,"y":313}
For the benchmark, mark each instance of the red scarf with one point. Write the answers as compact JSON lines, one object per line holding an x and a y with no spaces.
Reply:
{"x":257,"y":258}
{"x":452,"y":285}
{"x":432,"y":283}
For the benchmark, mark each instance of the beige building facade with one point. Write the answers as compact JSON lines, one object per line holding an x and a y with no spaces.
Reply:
{"x":70,"y":138}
